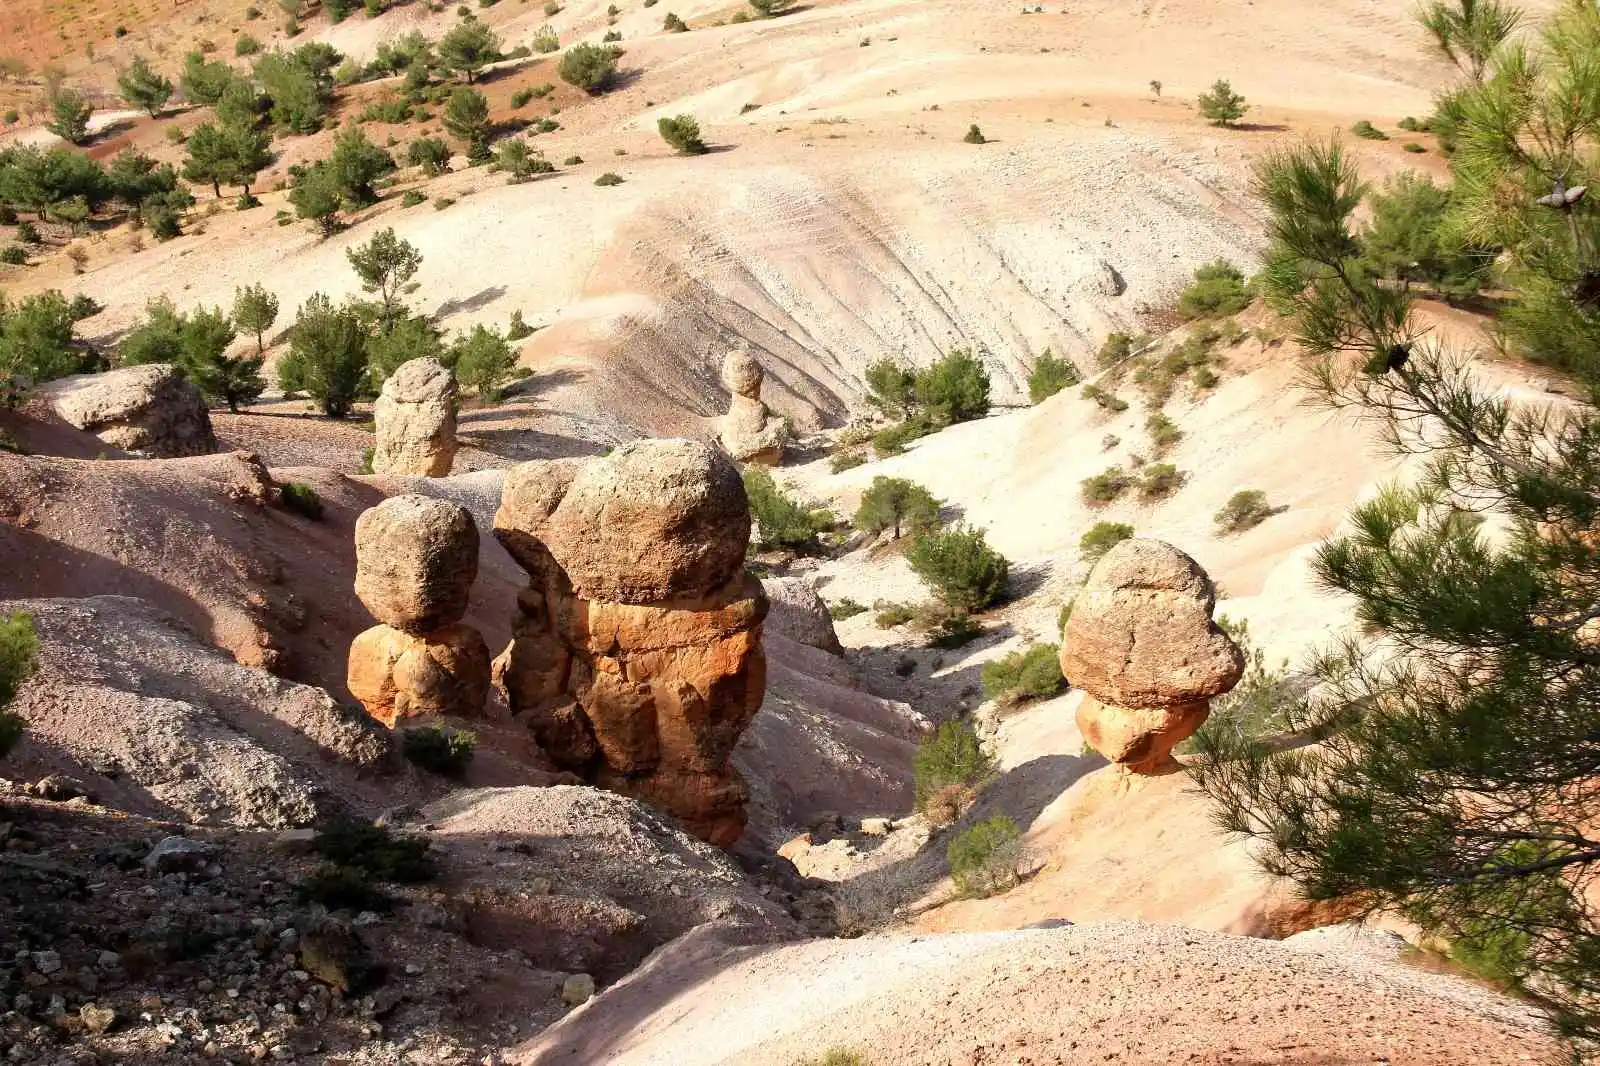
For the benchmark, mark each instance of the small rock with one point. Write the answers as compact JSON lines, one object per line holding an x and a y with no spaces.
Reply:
{"x":577,"y":989}
{"x":178,"y":854}
{"x":109,"y":960}
{"x":296,"y":841}
{"x":876,"y":827}
{"x":795,"y":847}
{"x":97,"y":1019}
{"x":47,"y":962}
{"x":59,"y":788}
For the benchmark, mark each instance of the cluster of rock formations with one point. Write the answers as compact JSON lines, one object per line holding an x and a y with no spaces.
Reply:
{"x":1142,"y":645}
{"x":415,"y":421}
{"x":636,"y":658}
{"x":151,"y":411}
{"x":416,"y":559}
{"x":749,"y":431}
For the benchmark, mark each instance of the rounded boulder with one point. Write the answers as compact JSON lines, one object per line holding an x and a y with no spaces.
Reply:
{"x":416,"y":559}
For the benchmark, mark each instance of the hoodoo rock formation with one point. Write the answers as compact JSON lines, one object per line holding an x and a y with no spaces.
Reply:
{"x":749,"y":431}
{"x":1142,"y":644}
{"x":416,"y":558}
{"x":151,"y":411}
{"x":415,"y":419}
{"x":636,"y":658}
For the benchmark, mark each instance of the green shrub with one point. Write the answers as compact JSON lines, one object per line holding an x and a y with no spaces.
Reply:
{"x":518,"y":329}
{"x":483,"y":361}
{"x":1034,"y":674}
{"x":1105,"y":487}
{"x":1160,"y":480}
{"x":1414,"y":148}
{"x":342,"y":888}
{"x":1049,"y":376}
{"x":1164,"y":433}
{"x":1102,"y":538}
{"x":891,"y":388}
{"x":1218,"y":289}
{"x":673,"y":24}
{"x":1411,"y":125}
{"x":983,"y":859}
{"x":682,"y":132}
{"x":429,"y":153}
{"x":960,"y":567}
{"x":833,"y":1056}
{"x":1064,"y":615}
{"x":955,"y":631}
{"x":19,"y":655}
{"x":366,"y":460}
{"x":781,"y":522}
{"x":302,"y":499}
{"x":1106,"y":401}
{"x":589,"y":67}
{"x":552,"y":8}
{"x":1222,"y":106}
{"x":846,"y":608}
{"x":572,"y":161}
{"x":545,"y":41}
{"x":440,"y":751}
{"x":897,"y":504}
{"x":1117,"y":347}
{"x":771,"y":8}
{"x":1244,"y":510}
{"x":954,"y":389}
{"x":246,"y":45}
{"x":392,"y":110}
{"x":413,"y":197}
{"x":372,"y":849}
{"x":895,"y":614}
{"x":953,"y":755}
{"x":1368,"y":132}
{"x":1204,"y":378}
{"x":608,"y":179}
{"x":520,"y":98}
{"x":14,"y":255}
{"x":893,"y":440}
{"x":847,"y":459}
{"x":975,"y":135}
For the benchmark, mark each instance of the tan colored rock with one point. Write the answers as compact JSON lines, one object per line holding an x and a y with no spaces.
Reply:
{"x":655,"y":521}
{"x":416,"y":559}
{"x":399,"y":676}
{"x":749,"y":431}
{"x":149,"y":410}
{"x":1141,"y":632}
{"x":800,"y":614}
{"x":645,"y":691}
{"x":415,"y":419}
{"x":1142,"y":643}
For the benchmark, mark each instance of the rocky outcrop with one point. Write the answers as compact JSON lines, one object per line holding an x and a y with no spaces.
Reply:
{"x":800,"y":614}
{"x":415,"y":419}
{"x":151,"y":411}
{"x":749,"y":431}
{"x":636,"y":658}
{"x":1142,"y":644}
{"x":416,"y":559}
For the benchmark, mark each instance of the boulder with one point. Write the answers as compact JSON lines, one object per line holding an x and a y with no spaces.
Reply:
{"x":1141,"y":642}
{"x":398,"y":676}
{"x":415,"y":419}
{"x":531,"y":493}
{"x":150,"y":411}
{"x":749,"y":431}
{"x":800,"y":614}
{"x":416,"y":558}
{"x":1141,"y":632}
{"x":655,"y":521}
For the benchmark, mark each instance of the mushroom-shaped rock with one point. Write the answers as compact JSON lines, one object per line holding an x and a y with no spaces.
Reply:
{"x":415,"y":419}
{"x":749,"y":431}
{"x":531,"y":493}
{"x":1141,"y":633}
{"x":655,"y":521}
{"x":416,"y":558}
{"x":1141,"y":642}
{"x":149,"y":410}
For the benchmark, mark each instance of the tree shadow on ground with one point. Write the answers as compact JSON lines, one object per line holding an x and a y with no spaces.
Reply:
{"x":475,"y":302}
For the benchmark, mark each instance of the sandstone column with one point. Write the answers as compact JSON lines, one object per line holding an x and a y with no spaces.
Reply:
{"x":416,"y":559}
{"x":1141,"y":643}
{"x":749,"y":431}
{"x":415,"y":417}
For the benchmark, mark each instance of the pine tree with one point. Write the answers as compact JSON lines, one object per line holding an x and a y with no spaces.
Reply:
{"x":385,"y":265}
{"x":1453,"y":778}
{"x":142,"y":87}
{"x":254,"y":311}
{"x":466,"y":118}
{"x":1469,"y":32}
{"x":69,"y":115}
{"x":1222,"y":106}
{"x":327,"y":357}
{"x":468,"y":47}
{"x":898,"y":504}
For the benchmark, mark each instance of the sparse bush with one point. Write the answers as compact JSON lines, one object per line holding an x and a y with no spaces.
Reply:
{"x":833,"y":1056}
{"x":1244,"y":510}
{"x":1105,"y":487}
{"x":1368,"y":132}
{"x":445,"y":752}
{"x":518,"y":329}
{"x":545,"y":41}
{"x":608,"y":179}
{"x":373,"y":850}
{"x":302,"y":499}
{"x":572,"y":161}
{"x":1049,"y":376}
{"x":1117,"y":347}
{"x":975,"y":135}
{"x":1034,"y":674}
{"x":1411,"y":125}
{"x":846,"y":608}
{"x":959,"y":565}
{"x":954,"y":631}
{"x":1108,"y":401}
{"x":520,"y":161}
{"x":1218,"y":289}
{"x":954,"y":389}
{"x":413,"y":197}
{"x":952,"y":756}
{"x":893,"y":440}
{"x":673,"y":24}
{"x":1164,"y":433}
{"x":483,"y":361}
{"x":780,"y":521}
{"x":891,"y":388}
{"x":551,"y":9}
{"x":840,"y":461}
{"x":589,"y":67}
{"x":1222,"y":106}
{"x":895,"y":614}
{"x":771,"y":8}
{"x":1414,"y":148}
{"x":466,"y":118}
{"x":682,"y":132}
{"x":1102,"y":538}
{"x":429,"y":153}
{"x":1160,"y":480}
{"x":983,"y":859}
{"x":14,"y":255}
{"x":19,"y":654}
{"x":897,"y":504}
